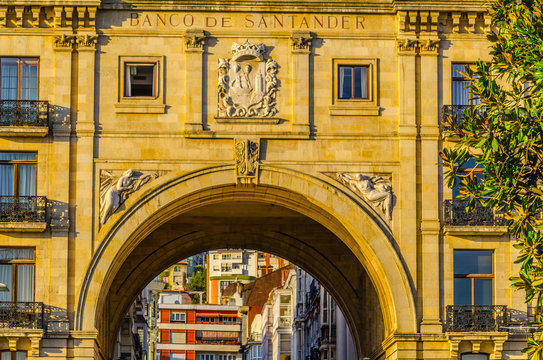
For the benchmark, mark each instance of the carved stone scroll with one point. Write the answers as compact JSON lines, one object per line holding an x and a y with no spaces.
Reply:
{"x":246,"y":155}
{"x":247,"y":83}
{"x":116,"y":188}
{"x":375,"y":190}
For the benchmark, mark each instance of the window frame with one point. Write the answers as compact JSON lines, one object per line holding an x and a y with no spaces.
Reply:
{"x":14,"y":272}
{"x":355,"y":106}
{"x":174,"y":314}
{"x":19,"y":75}
{"x":14,"y":353}
{"x":141,"y":104}
{"x":16,"y":164}
{"x":473,"y":277}
{"x":353,"y":87}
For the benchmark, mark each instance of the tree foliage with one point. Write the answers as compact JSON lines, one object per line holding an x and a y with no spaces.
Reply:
{"x":503,"y":134}
{"x":197,"y":282}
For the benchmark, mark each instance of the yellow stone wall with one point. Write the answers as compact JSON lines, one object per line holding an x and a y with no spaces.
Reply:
{"x":409,"y":47}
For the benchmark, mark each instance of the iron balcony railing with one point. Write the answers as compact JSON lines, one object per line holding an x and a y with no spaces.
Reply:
{"x":455,"y":214}
{"x":22,"y":208}
{"x":26,"y":315}
{"x":24,"y":113}
{"x":456,"y":110}
{"x":463,"y":318}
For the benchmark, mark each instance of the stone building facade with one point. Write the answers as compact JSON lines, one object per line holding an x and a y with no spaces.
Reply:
{"x":135,"y":133}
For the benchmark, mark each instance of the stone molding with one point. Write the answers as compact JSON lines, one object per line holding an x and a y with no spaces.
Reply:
{"x":301,"y":40}
{"x":444,"y":22}
{"x":246,"y":157}
{"x":42,"y":16}
{"x":194,"y":40}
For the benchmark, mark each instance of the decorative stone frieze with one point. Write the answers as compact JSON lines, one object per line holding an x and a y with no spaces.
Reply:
{"x":37,"y":16}
{"x":64,"y":41}
{"x":301,"y":40}
{"x":429,"y":45}
{"x":86,"y":41}
{"x":194,"y":39}
{"x":247,"y":83}
{"x":407,"y":45}
{"x":375,"y":190}
{"x":246,"y":157}
{"x":115,"y":188}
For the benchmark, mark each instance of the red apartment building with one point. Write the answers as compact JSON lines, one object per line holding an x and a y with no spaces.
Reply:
{"x":197,"y":332}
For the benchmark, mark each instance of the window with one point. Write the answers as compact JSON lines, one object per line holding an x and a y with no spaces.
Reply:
{"x":140,"y":79}
{"x":353,"y":82}
{"x":17,"y":273}
{"x":227,"y":357}
{"x":471,"y":169}
{"x":473,"y":277}
{"x":177,"y":317}
{"x":17,"y":174}
{"x":178,"y":338}
{"x":13,"y":355}
{"x":18,"y":78}
{"x":177,"y":356}
{"x":227,"y":256}
{"x":207,"y":357}
{"x":461,"y":94}
{"x":474,"y":357}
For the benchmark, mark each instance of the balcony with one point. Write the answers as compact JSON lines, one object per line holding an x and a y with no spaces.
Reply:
{"x":24,"y":117}
{"x":21,"y":315}
{"x":455,"y":110}
{"x":476,"y":318}
{"x":455,"y":214}
{"x":22,"y":213}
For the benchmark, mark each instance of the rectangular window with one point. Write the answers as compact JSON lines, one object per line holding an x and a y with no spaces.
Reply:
{"x":353,"y":82}
{"x":461,"y":94}
{"x":18,"y":78}
{"x":207,"y":357}
{"x":17,"y":174}
{"x":12,"y":355}
{"x":140,"y":80}
{"x":469,"y":169}
{"x":178,"y":338}
{"x":473,"y":277}
{"x":474,"y":356}
{"x":177,"y":356}
{"x":177,"y":317}
{"x":17,"y":274}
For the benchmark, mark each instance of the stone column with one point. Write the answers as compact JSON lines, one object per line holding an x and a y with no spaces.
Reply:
{"x":429,"y":153}
{"x":194,"y":51}
{"x":407,"y":182}
{"x":301,"y":50}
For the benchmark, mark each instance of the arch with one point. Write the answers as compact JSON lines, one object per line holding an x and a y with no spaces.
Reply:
{"x":318,"y":198}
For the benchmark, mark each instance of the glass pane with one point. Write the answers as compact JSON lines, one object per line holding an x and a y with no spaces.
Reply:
{"x":6,"y":355}
{"x":25,"y":283}
{"x":7,"y":185}
{"x":8,"y":81}
{"x":345,"y":82}
{"x":14,"y":156}
{"x":141,"y":80}
{"x":472,"y":262}
{"x":456,"y":69}
{"x":6,"y":278}
{"x":360,"y":82}
{"x":483,"y":291}
{"x":20,"y":355}
{"x":474,"y":357}
{"x":462,"y":291}
{"x":27,"y":180}
{"x":460,"y":93}
{"x":16,"y":254}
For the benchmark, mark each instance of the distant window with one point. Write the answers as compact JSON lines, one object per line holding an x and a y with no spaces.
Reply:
{"x":353,"y":82}
{"x":474,"y":357}
{"x":177,"y":356}
{"x":461,"y":94}
{"x":17,"y":173}
{"x":17,"y":273}
{"x":177,"y":317}
{"x":13,"y":355}
{"x":473,"y":277}
{"x":207,"y":357}
{"x":140,"y":80}
{"x":178,"y":338}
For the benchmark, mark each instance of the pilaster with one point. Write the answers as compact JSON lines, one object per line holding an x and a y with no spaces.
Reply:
{"x":301,"y":52}
{"x":194,"y":43}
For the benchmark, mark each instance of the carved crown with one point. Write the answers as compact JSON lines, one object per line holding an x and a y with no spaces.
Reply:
{"x":248,"y":48}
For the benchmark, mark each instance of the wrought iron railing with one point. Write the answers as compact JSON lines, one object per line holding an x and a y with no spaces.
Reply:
{"x":455,"y":214}
{"x":24,"y":113}
{"x":456,"y":110}
{"x":22,"y":208}
{"x":461,"y":318}
{"x":26,"y":315}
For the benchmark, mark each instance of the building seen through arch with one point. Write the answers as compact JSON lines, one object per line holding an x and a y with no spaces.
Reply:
{"x":137,"y":133}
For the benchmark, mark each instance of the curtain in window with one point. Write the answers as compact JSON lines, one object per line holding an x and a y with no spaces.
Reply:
{"x":6,"y":278}
{"x":27,"y":180}
{"x":8,"y":80}
{"x":127,"y":82}
{"x":25,"y":283}
{"x":361,"y":82}
{"x":21,"y":355}
{"x":6,"y":180}
{"x":29,"y":79}
{"x":6,"y":355}
{"x":345,"y":82}
{"x":460,"y":93}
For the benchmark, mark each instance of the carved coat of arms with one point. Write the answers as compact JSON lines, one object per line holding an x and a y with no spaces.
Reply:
{"x":247,"y":85}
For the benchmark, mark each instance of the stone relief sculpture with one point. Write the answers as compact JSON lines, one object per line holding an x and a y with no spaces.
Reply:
{"x":376,"y":190}
{"x":115,"y":190}
{"x":246,"y":155}
{"x":247,"y":85}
